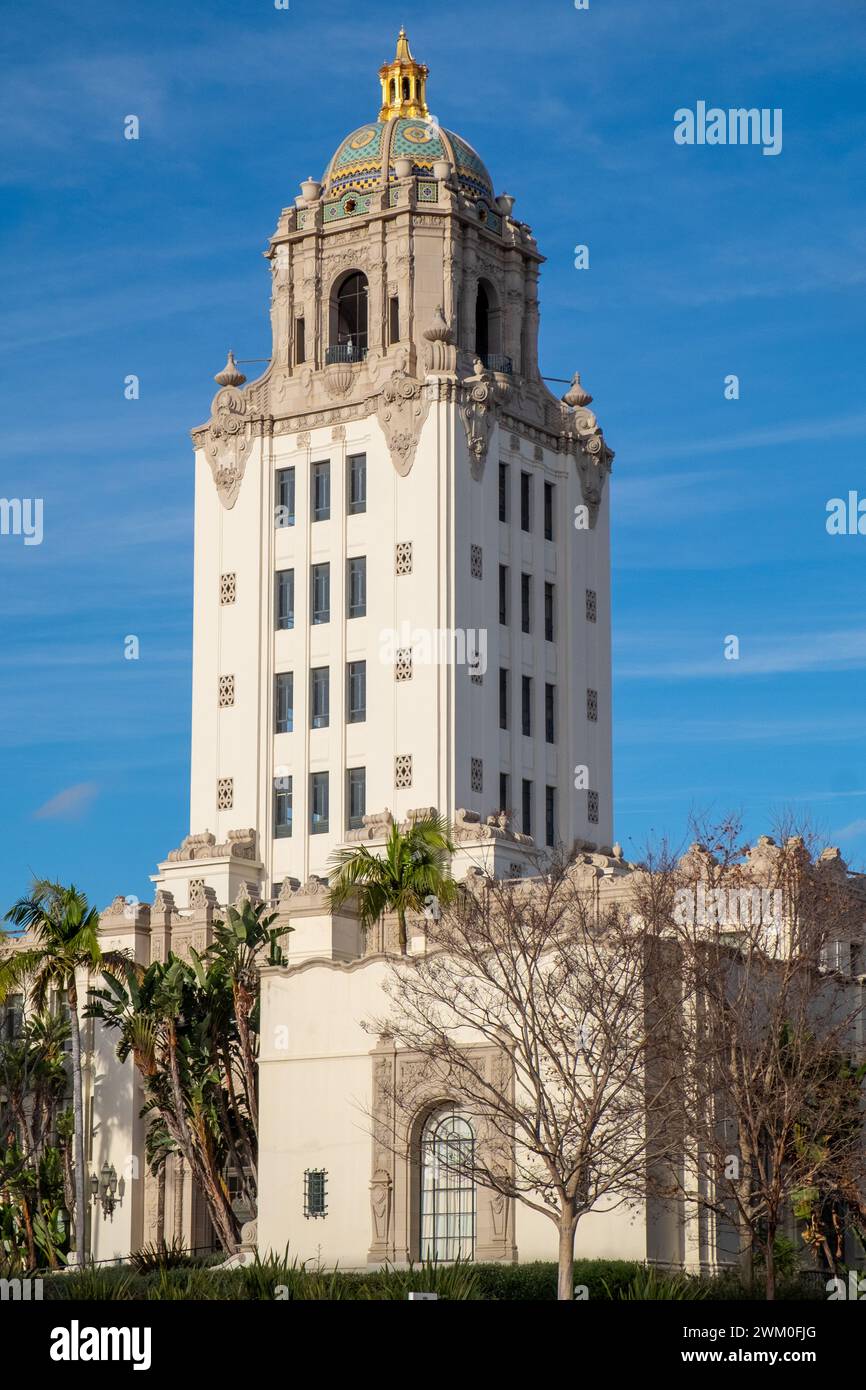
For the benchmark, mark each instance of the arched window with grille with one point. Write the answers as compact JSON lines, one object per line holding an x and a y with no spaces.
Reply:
{"x":349,"y":319}
{"x":447,"y":1204}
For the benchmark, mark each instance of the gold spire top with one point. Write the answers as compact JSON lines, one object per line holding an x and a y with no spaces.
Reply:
{"x":404,"y":85}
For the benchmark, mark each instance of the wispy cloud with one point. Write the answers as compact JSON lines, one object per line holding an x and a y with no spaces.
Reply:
{"x":70,"y":804}
{"x":760,"y":655}
{"x":852,"y":831}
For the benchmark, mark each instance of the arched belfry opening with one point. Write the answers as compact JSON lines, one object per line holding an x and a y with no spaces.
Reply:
{"x":349,"y":319}
{"x":488,"y":323}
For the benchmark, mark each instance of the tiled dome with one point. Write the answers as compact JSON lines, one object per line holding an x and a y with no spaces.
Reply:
{"x":363,"y":156}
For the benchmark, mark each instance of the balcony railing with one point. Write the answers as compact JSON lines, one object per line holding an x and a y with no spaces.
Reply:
{"x":498,"y":362}
{"x":344,"y":352}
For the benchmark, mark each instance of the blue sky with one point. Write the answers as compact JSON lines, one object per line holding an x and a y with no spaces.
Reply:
{"x":144,"y":257}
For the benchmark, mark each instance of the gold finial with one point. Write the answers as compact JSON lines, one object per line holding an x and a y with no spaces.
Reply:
{"x":404,"y":85}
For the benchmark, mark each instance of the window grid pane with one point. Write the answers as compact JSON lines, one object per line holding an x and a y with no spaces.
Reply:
{"x":285,"y":602}
{"x":356,"y":584}
{"x":321,"y":491}
{"x":284,"y":702}
{"x":447,"y":1188}
{"x":357,"y":484}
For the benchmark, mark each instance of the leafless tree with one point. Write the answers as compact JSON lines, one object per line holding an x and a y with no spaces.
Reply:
{"x":572,"y":1001}
{"x":767,"y":948}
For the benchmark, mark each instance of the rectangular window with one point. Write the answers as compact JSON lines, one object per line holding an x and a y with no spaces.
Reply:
{"x":356,"y":796}
{"x":504,"y":792}
{"x":284,"y":514}
{"x":357,"y":499}
{"x":549,"y":625}
{"x":321,"y":498}
{"x":320,"y":593}
{"x":548,"y":511}
{"x":356,"y":587}
{"x":550,"y":815}
{"x":356,"y":692}
{"x":300,"y":342}
{"x":527,"y":807}
{"x":503,"y":595}
{"x":503,"y":697}
{"x":526,"y":705}
{"x":550,"y":713}
{"x":284,"y":702}
{"x":12,"y":1018}
{"x":503,"y":491}
{"x":394,"y":319}
{"x":315,"y":1192}
{"x":526,"y":501}
{"x":320,"y":697}
{"x":285,"y":599}
{"x":319,"y":803}
{"x":282,"y":808}
{"x":526,"y":602}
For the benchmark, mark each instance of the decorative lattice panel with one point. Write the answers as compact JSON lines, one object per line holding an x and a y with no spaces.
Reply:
{"x":403,"y":771}
{"x":225,"y":793}
{"x":228,"y":588}
{"x":403,"y":557}
{"x":226,"y":691}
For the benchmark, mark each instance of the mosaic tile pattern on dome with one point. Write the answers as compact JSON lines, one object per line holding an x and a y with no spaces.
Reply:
{"x":358,"y":161}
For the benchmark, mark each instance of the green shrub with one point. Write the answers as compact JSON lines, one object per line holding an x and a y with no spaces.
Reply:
{"x":93,"y":1285}
{"x":457,"y":1282}
{"x":652,"y":1285}
{"x":537,"y":1281}
{"x":163,"y":1255}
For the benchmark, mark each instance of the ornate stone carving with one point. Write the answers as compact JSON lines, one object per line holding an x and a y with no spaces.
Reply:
{"x":592,"y":455}
{"x":441,"y":355}
{"x":402,"y":409}
{"x":380,"y":1206}
{"x":304,"y":439}
{"x":228,"y":441}
{"x":338,"y":379}
{"x":240,"y":844}
{"x":230,"y":376}
{"x":476,"y":409}
{"x":247,"y":893}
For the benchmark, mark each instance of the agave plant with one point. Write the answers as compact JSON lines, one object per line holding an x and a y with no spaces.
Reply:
{"x":649,"y":1285}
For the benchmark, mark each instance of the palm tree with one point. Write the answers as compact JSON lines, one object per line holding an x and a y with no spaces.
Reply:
{"x":65,"y":929}
{"x":413,"y":870}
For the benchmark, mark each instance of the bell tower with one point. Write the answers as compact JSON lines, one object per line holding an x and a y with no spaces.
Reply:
{"x":402,"y":588}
